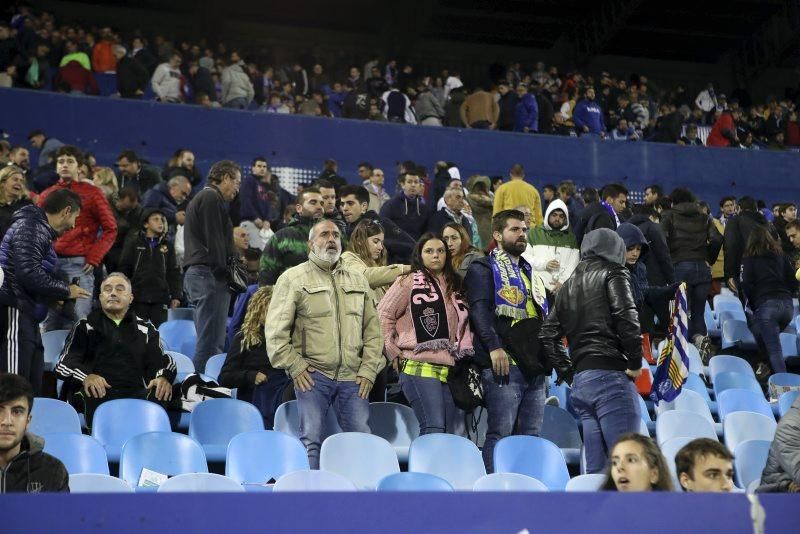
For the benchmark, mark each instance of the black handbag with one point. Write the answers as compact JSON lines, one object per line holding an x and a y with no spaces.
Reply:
{"x":464,"y":381}
{"x":237,"y":275}
{"x":525,"y":348}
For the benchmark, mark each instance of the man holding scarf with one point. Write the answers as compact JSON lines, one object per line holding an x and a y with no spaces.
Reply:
{"x":508,"y":303}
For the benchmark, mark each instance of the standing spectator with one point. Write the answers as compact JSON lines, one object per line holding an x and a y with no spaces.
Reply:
{"x":787,"y":212}
{"x":166,"y":80}
{"x":45,"y":145}
{"x":568,"y":194}
{"x":782,"y":472}
{"x":553,"y":252}
{"x":517,"y":192}
{"x":659,"y":262}
{"x":482,"y":203}
{"x":707,"y":102}
{"x":605,"y":344}
{"x":202,"y":82}
{"x":546,"y":111}
{"x":133,"y":172}
{"x":526,"y":112}
{"x":366,"y":253}
{"x":603,"y":213}
{"x":429,"y":110}
{"x":426,"y":328}
{"x":623,"y":132}
{"x":480,"y":110}
{"x":332,"y":357}
{"x":377,"y":194}
{"x":28,"y":261}
{"x":208,"y":241}
{"x":452,"y":212}
{"x":507,"y":105}
{"x":167,"y":196}
{"x":406,"y":209}
{"x":459,"y":244}
{"x":263,"y":202}
{"x":132,"y":77}
{"x":548,"y":194}
{"x":148,"y":260}
{"x":728,"y":209}
{"x":13,"y":195}
{"x":588,"y":115}
{"x":128,"y":214}
{"x":330,"y":173}
{"x":103,"y":59}
{"x":81,"y":250}
{"x":397,"y":107}
{"x":737,"y":232}
{"x":142,"y":55}
{"x":652,"y":193}
{"x":723,"y":133}
{"x":237,"y":89}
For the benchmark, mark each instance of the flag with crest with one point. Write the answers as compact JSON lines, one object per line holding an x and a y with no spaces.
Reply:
{"x":673,"y":362}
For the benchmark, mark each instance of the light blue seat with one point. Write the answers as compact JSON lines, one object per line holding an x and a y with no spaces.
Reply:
{"x":786,"y":400}
{"x":184,"y":366}
{"x":179,"y":335}
{"x":287,"y":420}
{"x":750,"y":458}
{"x":215,"y":422}
{"x":651,"y":425}
{"x":689,"y":401}
{"x":730,"y":309}
{"x":214,"y":365}
{"x":712,"y":327}
{"x":723,"y":363}
{"x":743,"y":426}
{"x":783,"y":381}
{"x":116,"y":421}
{"x":78,"y":453}
{"x":447,"y":456}
{"x":788,"y":344}
{"x":695,"y":383}
{"x":736,"y":334}
{"x":249,"y":463}
{"x":682,"y":423}
{"x":669,"y":449}
{"x":726,"y":380}
{"x":532,"y":456}
{"x":180,"y":314}
{"x":587,"y":483}
{"x":413,"y":482}
{"x":313,"y":481}
{"x":396,"y":423}
{"x":363,"y":459}
{"x":508,"y":482}
{"x":200,"y":483}
{"x":561,"y":428}
{"x":97,"y":483}
{"x":742,"y":400}
{"x":728,"y":298}
{"x":167,"y":453}
{"x":49,"y":416}
{"x":53,"y":343}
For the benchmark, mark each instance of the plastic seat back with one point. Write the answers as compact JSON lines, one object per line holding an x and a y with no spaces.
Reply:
{"x":200,"y":483}
{"x":78,"y":453}
{"x":723,"y":363}
{"x":50,"y":416}
{"x":179,"y":335}
{"x":413,"y":482}
{"x":215,"y":422}
{"x":682,"y":423}
{"x":167,"y":453}
{"x":669,"y":449}
{"x":396,"y":423}
{"x":786,"y":400}
{"x":589,"y":482}
{"x":287,"y":420}
{"x":116,"y":421}
{"x":363,"y":459}
{"x":508,"y":482}
{"x":313,"y":481}
{"x":97,"y":483}
{"x":532,"y":456}
{"x":53,"y":343}
{"x":247,"y":462}
{"x":447,"y":456}
{"x":742,"y":400}
{"x":750,"y":458}
{"x":214,"y":365}
{"x":743,"y":426}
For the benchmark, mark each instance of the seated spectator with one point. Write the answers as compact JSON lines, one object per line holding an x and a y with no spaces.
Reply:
{"x":13,"y":195}
{"x":182,"y":164}
{"x":636,"y":464}
{"x":704,"y":465}
{"x":105,"y":179}
{"x":691,"y":138}
{"x":459,"y":244}
{"x":167,"y":196}
{"x":24,"y":466}
{"x":782,"y":472}
{"x":247,"y":365}
{"x":148,"y":260}
{"x":112,"y":354}
{"x":623,"y":132}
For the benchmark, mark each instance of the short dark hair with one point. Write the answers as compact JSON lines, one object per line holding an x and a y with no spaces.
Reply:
{"x":60,"y":199}
{"x":729,"y":198}
{"x":590,"y":195}
{"x":129,"y":192}
{"x":517,"y":170}
{"x":130,"y":155}
{"x":13,"y":386}
{"x":786,"y":206}
{"x":644,"y":209}
{"x":367,"y":165}
{"x":747,"y":203}
{"x":500,"y":220}
{"x":689,"y":453}
{"x":260,"y":158}
{"x":551,"y":187}
{"x":680,"y":195}
{"x":69,"y":150}
{"x":655,"y":188}
{"x":221,"y":169}
{"x":410,"y":172}
{"x":613,"y":191}
{"x":665,"y":203}
{"x":301,"y":195}
{"x":360,"y":192}
{"x":793,"y":224}
{"x":327,"y":184}
{"x":34,"y":133}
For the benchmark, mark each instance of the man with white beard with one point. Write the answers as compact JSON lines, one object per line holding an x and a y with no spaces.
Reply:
{"x":323,"y":329}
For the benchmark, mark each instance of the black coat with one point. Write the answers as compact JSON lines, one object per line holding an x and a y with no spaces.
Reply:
{"x":202,"y":82}
{"x":242,"y":366}
{"x":546,"y":113}
{"x":208,"y":232}
{"x":658,"y":260}
{"x":153,"y":271}
{"x":33,"y":470}
{"x":132,"y":76}
{"x":438,"y":220}
{"x":507,"y":105}
{"x":690,"y":234}
{"x":7,"y":210}
{"x":592,"y":217}
{"x":737,"y":231}
{"x":125,"y":223}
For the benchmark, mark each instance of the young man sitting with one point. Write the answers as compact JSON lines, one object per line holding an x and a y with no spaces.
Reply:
{"x":705,"y":465}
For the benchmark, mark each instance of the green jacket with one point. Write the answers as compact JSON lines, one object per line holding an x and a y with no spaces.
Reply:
{"x":287,"y":248}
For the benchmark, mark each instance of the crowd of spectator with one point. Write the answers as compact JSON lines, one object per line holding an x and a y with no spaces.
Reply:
{"x":38,"y":53}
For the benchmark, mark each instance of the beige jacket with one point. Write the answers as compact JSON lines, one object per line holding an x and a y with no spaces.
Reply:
{"x":322,"y":315}
{"x":379,"y":278}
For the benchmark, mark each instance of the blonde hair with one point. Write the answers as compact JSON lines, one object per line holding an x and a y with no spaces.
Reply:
{"x":6,"y":173}
{"x":105,"y":177}
{"x":253,"y":326}
{"x":358,"y":242}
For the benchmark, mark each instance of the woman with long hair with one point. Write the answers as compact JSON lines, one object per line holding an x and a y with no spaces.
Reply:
{"x":105,"y":179}
{"x":635,"y":463}
{"x":13,"y":195}
{"x":367,"y":254}
{"x":461,"y":250}
{"x":768,"y":283}
{"x":247,"y":365}
{"x":426,"y":330}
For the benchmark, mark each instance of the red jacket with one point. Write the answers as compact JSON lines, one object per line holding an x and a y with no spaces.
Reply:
{"x":722,"y":131}
{"x":792,"y":133}
{"x":96,"y":227}
{"x":73,"y":77}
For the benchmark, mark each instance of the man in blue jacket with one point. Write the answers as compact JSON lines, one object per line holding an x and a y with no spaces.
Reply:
{"x":167,"y":196}
{"x":588,"y":115}
{"x":407,"y":210}
{"x":526,"y":113}
{"x":263,"y":202}
{"x":29,"y":260}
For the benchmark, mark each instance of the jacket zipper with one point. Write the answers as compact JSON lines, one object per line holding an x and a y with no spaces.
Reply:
{"x":338,"y":326}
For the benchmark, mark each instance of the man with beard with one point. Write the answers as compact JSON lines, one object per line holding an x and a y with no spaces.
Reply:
{"x":322,"y":329}
{"x":508,"y":303}
{"x":263,"y":201}
{"x":553,"y":252}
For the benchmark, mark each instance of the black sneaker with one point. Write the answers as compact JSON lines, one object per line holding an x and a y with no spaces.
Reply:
{"x":762,"y":372}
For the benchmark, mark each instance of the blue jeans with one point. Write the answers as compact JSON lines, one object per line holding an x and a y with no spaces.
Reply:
{"x":352,"y":411}
{"x":607,"y":404}
{"x":236,"y":103}
{"x":514,"y":408}
{"x":210,"y":298}
{"x":697,"y":276}
{"x":769,"y":319}
{"x":433,"y":405}
{"x":69,"y":268}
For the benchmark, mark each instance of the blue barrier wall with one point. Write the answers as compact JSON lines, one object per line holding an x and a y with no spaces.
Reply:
{"x":107,"y":125}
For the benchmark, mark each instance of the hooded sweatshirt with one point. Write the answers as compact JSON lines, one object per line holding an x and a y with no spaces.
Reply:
{"x":631,"y":235}
{"x":545,"y":244}
{"x":410,"y":214}
{"x":605,"y":244}
{"x":33,"y":470}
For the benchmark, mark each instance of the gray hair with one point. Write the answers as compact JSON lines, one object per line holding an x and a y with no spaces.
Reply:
{"x":178,"y":180}
{"x":313,"y":232}
{"x":450,"y":192}
{"x":120,"y":275}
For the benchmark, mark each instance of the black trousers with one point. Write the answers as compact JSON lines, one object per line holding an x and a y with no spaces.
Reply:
{"x":155,"y":312}
{"x":21,"y":350}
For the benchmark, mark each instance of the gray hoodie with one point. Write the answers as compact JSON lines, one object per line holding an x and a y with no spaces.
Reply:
{"x":603,"y":243}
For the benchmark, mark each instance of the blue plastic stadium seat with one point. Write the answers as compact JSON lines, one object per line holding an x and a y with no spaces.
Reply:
{"x":669,"y":449}
{"x":50,"y":415}
{"x":447,"y":456}
{"x":167,"y":453}
{"x":215,"y":422}
{"x":689,"y":401}
{"x":788,"y":345}
{"x":727,"y":298}
{"x":248,"y":464}
{"x":287,"y":420}
{"x":78,"y":453}
{"x":53,"y":343}
{"x":587,"y":483}
{"x":750,"y":458}
{"x":786,"y":400}
{"x":413,"y":482}
{"x":396,"y":423}
{"x":743,"y":426}
{"x":180,"y":314}
{"x":728,"y":380}
{"x":736,"y":334}
{"x":562,"y":429}
{"x":682,"y":423}
{"x":508,"y":482}
{"x":200,"y":483}
{"x":179,"y":335}
{"x":184,"y":365}
{"x":214,"y":365}
{"x":363,"y":459}
{"x":695,"y":383}
{"x":313,"y":481}
{"x":116,"y":421}
{"x":742,"y":400}
{"x":532,"y":456}
{"x":96,"y":483}
{"x":723,"y":363}
{"x":651,"y":425}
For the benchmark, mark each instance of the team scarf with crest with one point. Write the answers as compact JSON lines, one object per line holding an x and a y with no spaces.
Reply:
{"x":511,"y":295}
{"x":429,"y":313}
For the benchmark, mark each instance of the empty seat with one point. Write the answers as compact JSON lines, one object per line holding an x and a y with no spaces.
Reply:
{"x":669,"y":449}
{"x":532,"y":456}
{"x":588,"y":482}
{"x":695,"y":383}
{"x":728,"y":298}
{"x":743,"y":426}
{"x":53,"y":343}
{"x":682,"y":423}
{"x":363,"y":459}
{"x":788,"y":344}
{"x":97,"y":483}
{"x":167,"y":453}
{"x":562,"y":429}
{"x":78,"y":453}
{"x":313,"y":481}
{"x":736,"y":334}
{"x":49,"y":416}
{"x":450,"y":457}
{"x":690,"y":401}
{"x":287,"y":420}
{"x":712,"y":327}
{"x":249,"y":463}
{"x":508,"y":482}
{"x":214,"y":366}
{"x":726,"y":380}
{"x":729,"y":309}
{"x":750,"y":458}
{"x":215,"y":422}
{"x":396,"y":423}
{"x":413,"y":482}
{"x":786,"y":400}
{"x":200,"y":483}
{"x":723,"y":363}
{"x":742,"y":400}
{"x":179,"y":335}
{"x":118,"y":420}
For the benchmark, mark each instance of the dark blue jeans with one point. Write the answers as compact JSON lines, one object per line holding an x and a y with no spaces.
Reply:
{"x":352,"y":411}
{"x":769,"y":319}
{"x":607,"y":404}
{"x":697,"y":276}
{"x":210,"y":298}
{"x":433,"y":405}
{"x":514,"y":408}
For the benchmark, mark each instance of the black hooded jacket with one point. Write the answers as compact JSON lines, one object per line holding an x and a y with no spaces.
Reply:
{"x":33,"y":470}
